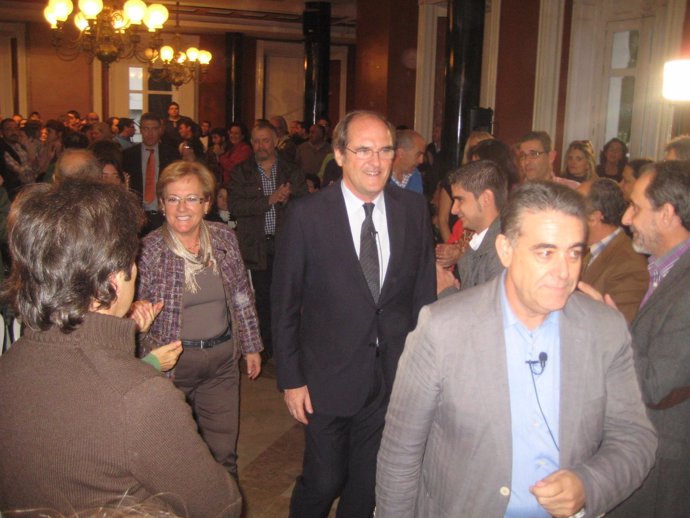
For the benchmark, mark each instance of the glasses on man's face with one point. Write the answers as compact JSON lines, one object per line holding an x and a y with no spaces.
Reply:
{"x":530,"y":155}
{"x":366,"y":153}
{"x":192,"y":199}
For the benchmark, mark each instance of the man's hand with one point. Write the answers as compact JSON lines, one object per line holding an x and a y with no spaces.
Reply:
{"x":447,"y":255}
{"x":168,"y":355}
{"x":445,"y":279}
{"x":281,"y":194}
{"x":298,"y":401}
{"x":144,"y":313}
{"x":561,"y":494}
{"x":593,"y":293}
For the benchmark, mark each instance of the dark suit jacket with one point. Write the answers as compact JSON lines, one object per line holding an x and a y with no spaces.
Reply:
{"x":249,"y":205}
{"x":325,"y":321}
{"x":622,"y":273}
{"x":131,"y":163}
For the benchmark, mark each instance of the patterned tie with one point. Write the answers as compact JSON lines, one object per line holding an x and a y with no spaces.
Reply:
{"x":150,"y":185}
{"x":368,"y":253}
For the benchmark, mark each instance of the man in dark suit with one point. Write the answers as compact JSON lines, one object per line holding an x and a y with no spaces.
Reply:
{"x":144,"y":162}
{"x":354,"y":265}
{"x":659,"y":216}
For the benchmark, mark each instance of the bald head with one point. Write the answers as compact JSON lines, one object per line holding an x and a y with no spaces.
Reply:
{"x":77,"y":164}
{"x":409,"y":152}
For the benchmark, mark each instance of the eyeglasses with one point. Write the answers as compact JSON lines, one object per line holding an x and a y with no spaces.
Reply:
{"x":530,"y":155}
{"x":189,"y":200}
{"x":365,"y":153}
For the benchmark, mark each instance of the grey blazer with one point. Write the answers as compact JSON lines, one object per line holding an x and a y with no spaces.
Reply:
{"x":447,"y":445}
{"x":478,"y":266}
{"x":661,"y":345}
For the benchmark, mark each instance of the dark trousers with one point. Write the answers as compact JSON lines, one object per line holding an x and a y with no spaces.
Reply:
{"x":209,"y":379}
{"x":340,"y":460}
{"x":261,"y":280}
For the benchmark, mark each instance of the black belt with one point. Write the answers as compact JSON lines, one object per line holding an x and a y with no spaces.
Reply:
{"x":209,"y":342}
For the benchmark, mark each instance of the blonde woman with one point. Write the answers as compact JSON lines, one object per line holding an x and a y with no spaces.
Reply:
{"x":579,"y":162}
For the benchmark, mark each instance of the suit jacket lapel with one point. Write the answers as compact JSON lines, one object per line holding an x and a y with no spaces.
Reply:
{"x":490,"y":353}
{"x":573,"y":361}
{"x":395,"y":219}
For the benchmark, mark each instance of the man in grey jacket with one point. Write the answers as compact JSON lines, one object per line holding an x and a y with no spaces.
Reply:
{"x":479,"y":193}
{"x":518,"y":397}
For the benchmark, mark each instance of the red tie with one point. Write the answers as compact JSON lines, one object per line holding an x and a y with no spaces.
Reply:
{"x":150,"y":186}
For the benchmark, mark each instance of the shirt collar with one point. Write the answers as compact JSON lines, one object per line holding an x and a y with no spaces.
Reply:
{"x":511,"y":320}
{"x":354,"y":204}
{"x":477,"y":239}
{"x":598,"y":247}
{"x":662,"y":265}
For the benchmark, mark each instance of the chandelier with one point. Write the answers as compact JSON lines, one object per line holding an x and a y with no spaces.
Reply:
{"x":178,"y":66}
{"x":108,"y":30}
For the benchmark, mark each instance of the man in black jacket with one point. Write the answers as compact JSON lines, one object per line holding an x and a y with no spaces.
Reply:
{"x":354,"y":265}
{"x":260,"y":190}
{"x":144,"y":162}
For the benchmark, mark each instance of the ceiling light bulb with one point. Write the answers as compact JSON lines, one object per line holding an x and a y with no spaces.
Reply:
{"x":120,"y":21}
{"x":91,"y":8}
{"x":49,"y":15}
{"x":80,"y":21}
{"x":61,"y":8}
{"x":135,"y":10}
{"x":205,"y":57}
{"x":192,"y":54}
{"x":156,"y":16}
{"x":167,"y":53}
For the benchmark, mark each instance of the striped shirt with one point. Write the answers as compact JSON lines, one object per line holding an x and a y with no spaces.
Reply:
{"x":660,"y":266}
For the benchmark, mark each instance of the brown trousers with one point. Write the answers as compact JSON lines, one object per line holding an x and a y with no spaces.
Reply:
{"x":210,"y":378}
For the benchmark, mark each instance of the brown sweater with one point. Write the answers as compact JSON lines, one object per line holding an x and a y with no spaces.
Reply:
{"x":82,"y":422}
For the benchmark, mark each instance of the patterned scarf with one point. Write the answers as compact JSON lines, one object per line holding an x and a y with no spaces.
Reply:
{"x":193,"y":263}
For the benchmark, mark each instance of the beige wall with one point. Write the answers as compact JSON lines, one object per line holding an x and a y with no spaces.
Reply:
{"x":55,"y":86}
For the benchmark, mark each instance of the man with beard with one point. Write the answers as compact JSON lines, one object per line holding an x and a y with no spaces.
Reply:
{"x":259,"y":192}
{"x":659,"y":216}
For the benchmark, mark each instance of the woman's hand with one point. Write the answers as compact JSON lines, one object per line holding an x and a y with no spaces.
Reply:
{"x":253,"y":365}
{"x":144,"y":313}
{"x":168,"y":355}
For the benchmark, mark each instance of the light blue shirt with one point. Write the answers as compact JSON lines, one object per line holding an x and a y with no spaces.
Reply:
{"x":535,"y":455}
{"x":356,"y":215}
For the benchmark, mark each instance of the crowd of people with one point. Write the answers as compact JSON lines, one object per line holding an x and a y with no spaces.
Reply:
{"x":503,"y":339}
